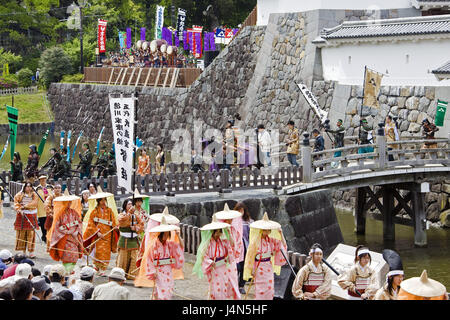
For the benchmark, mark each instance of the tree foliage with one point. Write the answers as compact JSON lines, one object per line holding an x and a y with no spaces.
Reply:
{"x":24,"y":77}
{"x":54,"y":63}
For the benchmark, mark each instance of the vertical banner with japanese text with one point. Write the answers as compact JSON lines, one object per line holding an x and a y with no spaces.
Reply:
{"x":181,"y":22}
{"x":122,"y":117}
{"x":159,"y":21}
{"x":102,"y":35}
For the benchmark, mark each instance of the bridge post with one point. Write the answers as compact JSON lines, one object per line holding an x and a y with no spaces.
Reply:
{"x":381,"y":143}
{"x":420,"y":235}
{"x":306,"y":159}
{"x":360,"y":215}
{"x":388,"y":218}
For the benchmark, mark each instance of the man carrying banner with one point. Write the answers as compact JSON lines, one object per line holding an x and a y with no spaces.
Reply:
{"x":85,"y":161}
{"x":25,"y":204}
{"x":428,"y":130}
{"x":101,"y":232}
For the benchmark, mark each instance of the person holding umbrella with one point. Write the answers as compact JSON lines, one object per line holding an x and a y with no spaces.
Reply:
{"x":313,"y":281}
{"x":264,"y":256}
{"x":361,"y":277}
{"x":164,"y":259}
{"x":26,"y":224}
{"x":215,"y":257}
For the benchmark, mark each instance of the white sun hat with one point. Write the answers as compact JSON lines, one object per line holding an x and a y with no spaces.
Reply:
{"x":137,"y":195}
{"x":100,"y":194}
{"x":227,"y":214}
{"x":164,"y":227}
{"x":423,"y":286}
{"x":215,"y":225}
{"x":265,"y":224}
{"x":170,"y":219}
{"x":66,"y":197}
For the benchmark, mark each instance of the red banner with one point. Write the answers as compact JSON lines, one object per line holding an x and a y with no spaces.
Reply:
{"x":197,"y":49}
{"x":101,"y":35}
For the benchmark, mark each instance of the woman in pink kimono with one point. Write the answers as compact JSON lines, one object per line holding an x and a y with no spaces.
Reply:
{"x":165,"y":259}
{"x":215,"y":258}
{"x":264,"y":257}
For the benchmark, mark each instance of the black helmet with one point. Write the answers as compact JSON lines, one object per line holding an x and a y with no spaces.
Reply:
{"x":33,"y":148}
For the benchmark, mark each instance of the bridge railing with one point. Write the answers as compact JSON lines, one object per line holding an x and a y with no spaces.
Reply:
{"x":379,"y":156}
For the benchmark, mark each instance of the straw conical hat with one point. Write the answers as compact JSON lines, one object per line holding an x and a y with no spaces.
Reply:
{"x":227,"y":213}
{"x":170,"y":219}
{"x":137,"y":195}
{"x":100,"y":194}
{"x":164,"y":227}
{"x":66,"y":197}
{"x":214,"y":225}
{"x":265,"y":224}
{"x":423,"y":286}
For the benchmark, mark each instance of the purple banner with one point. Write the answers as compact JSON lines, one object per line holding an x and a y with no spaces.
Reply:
{"x":143,"y":34}
{"x":177,"y":39}
{"x":185,"y":43}
{"x":128,"y":38}
{"x":167,"y":35}
{"x":206,"y":42}
{"x":212,"y":42}
{"x":198,"y":42}
{"x":191,"y":42}
{"x":235,"y":30}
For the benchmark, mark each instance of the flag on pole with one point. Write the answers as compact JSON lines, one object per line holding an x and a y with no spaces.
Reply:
{"x":159,"y":21}
{"x":372,"y":84}
{"x":13,"y":119}
{"x":122,"y":117}
{"x":43,"y":141}
{"x":440,"y":113}
{"x":61,"y":140}
{"x":76,"y":144}
{"x":4,"y":148}
{"x":69,"y":136}
{"x":312,"y":101}
{"x":143,"y":34}
{"x":97,"y":150}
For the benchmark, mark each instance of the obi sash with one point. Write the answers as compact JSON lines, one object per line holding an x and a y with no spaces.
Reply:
{"x":163,"y":261}
{"x":221,"y":261}
{"x":103,"y":221}
{"x":361,"y":285}
{"x":68,"y":226}
{"x":263,"y":257}
{"x":314,"y":281}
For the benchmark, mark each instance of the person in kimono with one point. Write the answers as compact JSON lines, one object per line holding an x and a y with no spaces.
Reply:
{"x":391,"y":288}
{"x":153,"y":221}
{"x":313,"y":281}
{"x":164,"y":259}
{"x":130,"y":226}
{"x":215,"y":259}
{"x":65,"y":235}
{"x":360,"y":280}
{"x":422,"y":288}
{"x":234,"y":219}
{"x":44,"y":190}
{"x":101,"y":232}
{"x":264,"y":257}
{"x":26,"y":223}
{"x":139,"y":207}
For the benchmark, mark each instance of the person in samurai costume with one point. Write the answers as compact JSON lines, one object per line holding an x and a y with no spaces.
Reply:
{"x":65,"y":235}
{"x":100,"y":229}
{"x":360,"y":280}
{"x":215,"y":259}
{"x":141,"y":205}
{"x":164,"y":258}
{"x":264,"y":256}
{"x":153,"y":221}
{"x":422,"y":288}
{"x":389,"y":291}
{"x":234,"y":219}
{"x":313,"y":281}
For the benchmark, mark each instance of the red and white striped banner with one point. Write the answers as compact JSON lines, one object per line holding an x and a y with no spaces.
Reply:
{"x":102,"y":35}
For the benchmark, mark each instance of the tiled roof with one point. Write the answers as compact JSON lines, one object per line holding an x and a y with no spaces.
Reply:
{"x":388,"y":28}
{"x":443,"y":69}
{"x":427,"y":4}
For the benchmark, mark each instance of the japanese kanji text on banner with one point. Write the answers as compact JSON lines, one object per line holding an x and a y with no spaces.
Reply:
{"x":122,"y":117}
{"x":102,"y":35}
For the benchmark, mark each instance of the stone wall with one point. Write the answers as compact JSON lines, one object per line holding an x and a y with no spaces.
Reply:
{"x":306,"y":219}
{"x":37,"y":128}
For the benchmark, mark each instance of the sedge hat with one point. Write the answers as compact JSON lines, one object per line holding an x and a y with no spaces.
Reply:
{"x":164,"y":227}
{"x":215,"y":225}
{"x":423,"y":286}
{"x":170,"y":219}
{"x":227,"y":214}
{"x":265,"y":224}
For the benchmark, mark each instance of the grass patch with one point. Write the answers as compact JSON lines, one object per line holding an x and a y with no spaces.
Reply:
{"x":31,"y":108}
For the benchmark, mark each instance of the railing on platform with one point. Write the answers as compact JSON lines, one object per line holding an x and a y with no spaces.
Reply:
{"x":249,"y":21}
{"x":24,"y":90}
{"x":147,"y":77}
{"x":192,"y":238}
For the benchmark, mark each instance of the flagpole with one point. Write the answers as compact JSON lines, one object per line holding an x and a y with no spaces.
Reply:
{"x":134,"y":142}
{"x":362,"y":103}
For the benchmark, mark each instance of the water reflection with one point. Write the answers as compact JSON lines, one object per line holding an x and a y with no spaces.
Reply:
{"x":435,"y":258}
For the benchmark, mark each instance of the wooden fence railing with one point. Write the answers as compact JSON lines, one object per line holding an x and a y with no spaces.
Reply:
{"x":147,"y":77}
{"x":249,"y":21}
{"x":192,"y":238}
{"x":7,"y":92}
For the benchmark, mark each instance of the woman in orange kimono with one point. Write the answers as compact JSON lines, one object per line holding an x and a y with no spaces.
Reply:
{"x":143,"y":163}
{"x":65,"y":235}
{"x":422,"y":288}
{"x":101,"y":231}
{"x":164,"y":259}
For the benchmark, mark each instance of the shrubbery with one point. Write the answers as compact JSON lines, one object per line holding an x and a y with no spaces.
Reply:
{"x":24,"y":76}
{"x":72,"y":78}
{"x":54,"y":64}
{"x":8,"y":82}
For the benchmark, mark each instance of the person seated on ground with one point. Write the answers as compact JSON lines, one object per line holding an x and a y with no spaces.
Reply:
{"x":112,"y":290}
{"x":5,"y":294}
{"x":35,"y":272}
{"x":23,"y":271}
{"x":5,"y":260}
{"x":88,"y":293}
{"x":57,"y":278}
{"x":86,"y":281}
{"x":71,"y":285}
{"x":42,"y":290}
{"x":17,"y":259}
{"x":22,"y":290}
{"x":63,"y":295}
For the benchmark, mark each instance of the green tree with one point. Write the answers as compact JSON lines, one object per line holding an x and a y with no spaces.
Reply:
{"x":54,"y":63}
{"x":24,"y":76}
{"x":10,"y":58}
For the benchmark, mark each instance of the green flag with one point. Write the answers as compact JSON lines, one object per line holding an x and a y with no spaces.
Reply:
{"x":43,"y":141}
{"x":440,"y":113}
{"x":13,"y":118}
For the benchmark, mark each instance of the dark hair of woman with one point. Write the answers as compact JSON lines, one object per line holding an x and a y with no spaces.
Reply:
{"x":316,"y":245}
{"x":124,"y":205}
{"x":160,"y":236}
{"x":389,"y":285}
{"x":161,"y":146}
{"x":25,"y":185}
{"x":357,"y":257}
{"x":241,"y":205}
{"x":17,"y":155}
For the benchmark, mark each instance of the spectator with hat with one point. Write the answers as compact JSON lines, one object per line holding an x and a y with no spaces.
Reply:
{"x":42,"y":290}
{"x":5,"y":259}
{"x":23,"y":271}
{"x":86,"y":280}
{"x":17,"y":259}
{"x":57,"y":278}
{"x":112,"y":290}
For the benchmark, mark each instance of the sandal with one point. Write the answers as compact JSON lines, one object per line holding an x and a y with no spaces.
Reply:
{"x":32,"y":255}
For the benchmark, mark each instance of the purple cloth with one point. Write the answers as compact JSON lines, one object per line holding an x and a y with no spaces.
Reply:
{"x":143,"y":34}
{"x":198,"y":42}
{"x":128,"y":38}
{"x":212,"y":42}
{"x":246,"y":232}
{"x":177,"y":39}
{"x":206,"y":42}
{"x":191,"y":42}
{"x":185,"y":43}
{"x":213,"y":166}
{"x":235,"y":31}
